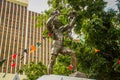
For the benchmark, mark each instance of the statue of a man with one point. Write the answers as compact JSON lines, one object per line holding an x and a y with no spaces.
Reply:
{"x":56,"y":31}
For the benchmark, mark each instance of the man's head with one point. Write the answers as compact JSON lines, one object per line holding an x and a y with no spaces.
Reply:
{"x":57,"y":23}
{"x":56,"y":12}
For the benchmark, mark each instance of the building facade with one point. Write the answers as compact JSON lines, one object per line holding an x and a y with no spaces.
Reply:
{"x":17,"y":33}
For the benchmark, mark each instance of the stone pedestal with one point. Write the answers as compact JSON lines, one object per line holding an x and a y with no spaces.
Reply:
{"x":78,"y":74}
{"x":60,"y":77}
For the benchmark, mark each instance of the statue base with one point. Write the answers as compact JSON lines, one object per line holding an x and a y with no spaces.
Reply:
{"x":60,"y":77}
{"x":78,"y":74}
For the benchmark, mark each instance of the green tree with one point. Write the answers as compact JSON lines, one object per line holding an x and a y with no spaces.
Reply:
{"x":33,"y":70}
{"x":99,"y":30}
{"x":61,"y":66}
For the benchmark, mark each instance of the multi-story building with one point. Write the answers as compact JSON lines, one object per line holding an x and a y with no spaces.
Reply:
{"x":17,"y":33}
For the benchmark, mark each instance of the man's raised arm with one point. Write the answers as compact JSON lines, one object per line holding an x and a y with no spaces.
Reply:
{"x":51,"y":18}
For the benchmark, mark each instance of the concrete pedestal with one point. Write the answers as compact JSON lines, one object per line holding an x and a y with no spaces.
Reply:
{"x":60,"y":77}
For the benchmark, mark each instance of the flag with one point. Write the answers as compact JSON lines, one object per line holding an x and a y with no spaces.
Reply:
{"x":70,"y":67}
{"x":96,"y":50}
{"x":76,"y":40}
{"x":33,"y":47}
{"x":4,"y":75}
{"x":1,"y":62}
{"x":25,"y":50}
{"x":38,"y":44}
{"x":13,"y":65}
{"x":49,"y":34}
{"x":14,"y":56}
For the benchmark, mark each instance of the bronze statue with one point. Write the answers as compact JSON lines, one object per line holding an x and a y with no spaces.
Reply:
{"x":56,"y":30}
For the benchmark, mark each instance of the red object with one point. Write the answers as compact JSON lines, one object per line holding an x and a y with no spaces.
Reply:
{"x":13,"y":65}
{"x":14,"y":56}
{"x":96,"y":50}
{"x":49,"y":34}
{"x":118,"y":61}
{"x":70,"y":67}
{"x":76,"y":40}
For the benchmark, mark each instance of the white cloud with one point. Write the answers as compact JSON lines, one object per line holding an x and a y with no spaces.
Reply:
{"x":111,"y":4}
{"x":38,"y":5}
{"x":41,"y":5}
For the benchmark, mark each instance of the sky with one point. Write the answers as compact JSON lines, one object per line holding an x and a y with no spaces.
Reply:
{"x":38,"y":5}
{"x":41,"y":5}
{"x":111,"y":4}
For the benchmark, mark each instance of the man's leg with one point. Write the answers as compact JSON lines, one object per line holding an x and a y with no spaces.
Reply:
{"x":67,"y":51}
{"x":51,"y":64}
{"x":57,"y":44}
{"x":54,"y":53}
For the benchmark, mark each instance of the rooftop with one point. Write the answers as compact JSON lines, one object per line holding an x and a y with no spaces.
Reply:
{"x":20,"y":2}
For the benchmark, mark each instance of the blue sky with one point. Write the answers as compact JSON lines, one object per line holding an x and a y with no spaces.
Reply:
{"x":41,"y":5}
